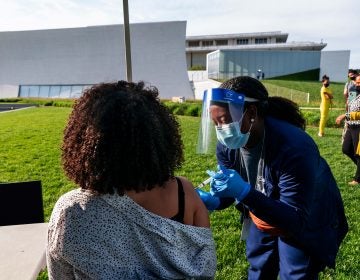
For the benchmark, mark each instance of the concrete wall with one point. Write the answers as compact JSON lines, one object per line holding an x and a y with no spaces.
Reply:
{"x":197,"y":75}
{"x":96,"y":54}
{"x":335,"y":64}
{"x":9,"y":91}
{"x":201,"y":86}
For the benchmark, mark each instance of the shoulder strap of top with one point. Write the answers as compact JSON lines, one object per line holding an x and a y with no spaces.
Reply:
{"x":179,"y":217}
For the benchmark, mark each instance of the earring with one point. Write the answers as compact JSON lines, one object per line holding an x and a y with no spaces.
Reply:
{"x":252,"y":120}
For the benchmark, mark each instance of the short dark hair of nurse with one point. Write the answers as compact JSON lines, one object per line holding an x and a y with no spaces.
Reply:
{"x":120,"y":137}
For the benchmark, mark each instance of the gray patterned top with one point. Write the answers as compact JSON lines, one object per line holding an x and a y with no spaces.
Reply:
{"x":111,"y":237}
{"x":354,"y":106}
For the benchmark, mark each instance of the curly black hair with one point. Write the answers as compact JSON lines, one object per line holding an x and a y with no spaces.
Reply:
{"x":120,"y":137}
{"x":275,"y":106}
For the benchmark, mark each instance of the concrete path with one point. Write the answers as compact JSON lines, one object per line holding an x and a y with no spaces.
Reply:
{"x":4,"y":107}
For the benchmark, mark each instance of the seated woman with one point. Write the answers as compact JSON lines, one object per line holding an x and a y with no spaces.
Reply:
{"x":131,"y":218}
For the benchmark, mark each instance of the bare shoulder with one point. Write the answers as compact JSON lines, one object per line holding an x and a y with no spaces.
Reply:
{"x":195,"y":207}
{"x":188,"y":186}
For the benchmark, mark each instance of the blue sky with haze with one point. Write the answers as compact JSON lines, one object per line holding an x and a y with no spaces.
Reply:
{"x":335,"y":22}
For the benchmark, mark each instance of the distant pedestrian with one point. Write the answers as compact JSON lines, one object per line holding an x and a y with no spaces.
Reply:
{"x":351,"y":143}
{"x":349,"y":95}
{"x":350,"y":88}
{"x":326,"y":101}
{"x":263,"y":76}
{"x":258,"y":75}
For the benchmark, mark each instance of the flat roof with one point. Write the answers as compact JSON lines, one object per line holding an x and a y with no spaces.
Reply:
{"x":277,"y":46}
{"x":238,"y":35}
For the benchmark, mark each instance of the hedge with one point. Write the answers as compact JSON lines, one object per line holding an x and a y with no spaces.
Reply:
{"x":189,"y":108}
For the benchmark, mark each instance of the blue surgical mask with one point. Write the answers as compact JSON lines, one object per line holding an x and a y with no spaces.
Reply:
{"x":231,"y":136}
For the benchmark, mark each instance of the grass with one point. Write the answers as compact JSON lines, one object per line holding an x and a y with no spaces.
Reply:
{"x":301,"y":88}
{"x":30,"y":150}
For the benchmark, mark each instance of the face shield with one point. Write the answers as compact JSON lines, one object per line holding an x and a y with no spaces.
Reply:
{"x":220,"y":107}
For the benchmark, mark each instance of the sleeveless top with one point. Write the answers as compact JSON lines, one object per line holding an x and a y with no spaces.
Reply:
{"x":179,"y":217}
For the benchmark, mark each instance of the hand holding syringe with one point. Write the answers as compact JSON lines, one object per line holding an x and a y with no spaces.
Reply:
{"x":208,"y":180}
{"x":204,"y":183}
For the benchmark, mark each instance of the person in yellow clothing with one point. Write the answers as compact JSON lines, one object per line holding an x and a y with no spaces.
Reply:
{"x":326,"y":101}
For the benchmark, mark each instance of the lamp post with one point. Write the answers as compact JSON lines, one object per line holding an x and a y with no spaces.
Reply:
{"x":127,"y":41}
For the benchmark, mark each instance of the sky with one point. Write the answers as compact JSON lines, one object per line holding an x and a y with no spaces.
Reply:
{"x":335,"y":22}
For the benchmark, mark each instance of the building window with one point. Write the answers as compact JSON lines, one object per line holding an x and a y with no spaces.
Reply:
{"x":207,"y":43}
{"x":52,"y":91}
{"x":221,"y":42}
{"x":194,"y":43}
{"x":260,"y":40}
{"x":242,"y":41}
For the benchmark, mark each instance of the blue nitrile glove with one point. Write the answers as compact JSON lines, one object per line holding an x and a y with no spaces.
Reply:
{"x":211,"y":202}
{"x":228,"y":183}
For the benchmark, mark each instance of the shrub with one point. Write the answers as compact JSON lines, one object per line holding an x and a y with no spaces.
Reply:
{"x":181,"y":109}
{"x":197,"y":68}
{"x":313,"y":117}
{"x":193,"y":110}
{"x":10,"y":100}
{"x":188,"y":108}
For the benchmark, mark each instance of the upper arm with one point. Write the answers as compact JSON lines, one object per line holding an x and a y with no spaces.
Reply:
{"x":297,"y":179}
{"x":196,"y":212}
{"x":57,"y":268}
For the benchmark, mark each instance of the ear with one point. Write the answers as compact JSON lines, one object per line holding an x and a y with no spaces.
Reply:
{"x":252,"y":112}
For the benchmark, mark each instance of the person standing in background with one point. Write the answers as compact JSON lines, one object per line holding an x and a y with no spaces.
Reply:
{"x":349,"y":94}
{"x":351,"y":145}
{"x":350,"y":88}
{"x":326,"y":101}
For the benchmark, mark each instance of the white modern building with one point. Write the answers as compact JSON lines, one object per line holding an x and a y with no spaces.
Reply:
{"x":263,"y":53}
{"x":60,"y":63}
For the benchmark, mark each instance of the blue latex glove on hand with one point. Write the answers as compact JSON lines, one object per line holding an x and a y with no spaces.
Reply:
{"x":211,"y":202}
{"x":228,"y":183}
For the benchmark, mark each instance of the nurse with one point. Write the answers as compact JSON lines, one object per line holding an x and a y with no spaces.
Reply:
{"x":271,"y":169}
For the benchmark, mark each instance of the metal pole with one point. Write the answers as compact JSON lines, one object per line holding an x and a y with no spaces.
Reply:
{"x":127,"y":41}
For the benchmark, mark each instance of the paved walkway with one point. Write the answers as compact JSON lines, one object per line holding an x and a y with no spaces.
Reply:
{"x":318,"y":108}
{"x":4,"y":107}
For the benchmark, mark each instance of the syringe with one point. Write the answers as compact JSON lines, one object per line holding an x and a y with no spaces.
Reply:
{"x":204,"y":183}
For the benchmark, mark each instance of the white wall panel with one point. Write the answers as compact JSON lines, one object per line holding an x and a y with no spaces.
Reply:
{"x":335,"y":64}
{"x":96,"y":54}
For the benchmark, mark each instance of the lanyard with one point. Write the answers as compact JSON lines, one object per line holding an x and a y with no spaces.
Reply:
{"x":260,"y":180}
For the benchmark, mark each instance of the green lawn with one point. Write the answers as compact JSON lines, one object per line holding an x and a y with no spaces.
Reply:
{"x":297,"y":89}
{"x":30,"y":150}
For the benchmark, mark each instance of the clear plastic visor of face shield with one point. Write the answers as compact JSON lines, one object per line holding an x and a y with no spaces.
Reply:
{"x":224,"y":99}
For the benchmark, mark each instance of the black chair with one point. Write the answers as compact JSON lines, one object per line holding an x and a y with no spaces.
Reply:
{"x":21,"y":203}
